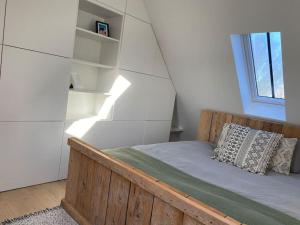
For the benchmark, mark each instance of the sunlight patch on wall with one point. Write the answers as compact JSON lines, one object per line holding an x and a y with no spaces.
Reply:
{"x":119,"y":87}
{"x":80,"y":127}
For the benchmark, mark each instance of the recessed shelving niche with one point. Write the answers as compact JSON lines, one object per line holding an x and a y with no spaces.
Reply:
{"x":99,"y":51}
{"x":95,"y":60}
{"x":91,"y":11}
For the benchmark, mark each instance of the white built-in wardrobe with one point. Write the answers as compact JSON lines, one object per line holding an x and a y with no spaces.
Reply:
{"x":44,"y":43}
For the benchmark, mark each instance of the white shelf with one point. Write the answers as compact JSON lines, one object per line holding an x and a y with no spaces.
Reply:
{"x":89,"y":91}
{"x":75,"y":117}
{"x":176,"y":130}
{"x":96,"y":8}
{"x":93,"y":64}
{"x":94,"y":36}
{"x":79,"y":116}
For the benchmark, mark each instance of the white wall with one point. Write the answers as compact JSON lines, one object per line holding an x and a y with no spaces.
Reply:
{"x":194,"y":36}
{"x":291,"y":47}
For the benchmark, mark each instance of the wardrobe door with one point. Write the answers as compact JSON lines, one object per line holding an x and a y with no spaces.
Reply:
{"x":140,"y":51}
{"x":132,"y":104}
{"x":42,"y":25}
{"x":2,"y":14}
{"x":30,"y":153}
{"x":157,"y":132}
{"x":33,"y":86}
{"x":160,"y":99}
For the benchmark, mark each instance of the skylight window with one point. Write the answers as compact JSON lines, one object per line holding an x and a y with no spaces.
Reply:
{"x":266,"y":54}
{"x":259,"y":66}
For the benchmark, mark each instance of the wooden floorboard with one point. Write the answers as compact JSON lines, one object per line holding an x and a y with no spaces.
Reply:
{"x":22,"y":201}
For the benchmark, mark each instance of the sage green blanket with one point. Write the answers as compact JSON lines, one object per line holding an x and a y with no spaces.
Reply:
{"x":234,"y":205}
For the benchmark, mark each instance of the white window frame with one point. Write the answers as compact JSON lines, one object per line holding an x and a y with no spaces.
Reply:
{"x":252,"y":77}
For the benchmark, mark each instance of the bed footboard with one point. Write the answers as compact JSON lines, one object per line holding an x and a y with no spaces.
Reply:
{"x":104,"y":191}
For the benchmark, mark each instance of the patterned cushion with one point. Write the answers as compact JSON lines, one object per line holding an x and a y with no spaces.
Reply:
{"x":246,"y":148}
{"x":281,"y":161}
{"x":295,"y":167}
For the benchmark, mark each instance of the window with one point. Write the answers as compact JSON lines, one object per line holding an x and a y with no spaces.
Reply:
{"x":264,"y":55}
{"x":259,"y":69}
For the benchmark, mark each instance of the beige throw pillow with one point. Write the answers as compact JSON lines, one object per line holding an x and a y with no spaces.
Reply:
{"x":281,"y":161}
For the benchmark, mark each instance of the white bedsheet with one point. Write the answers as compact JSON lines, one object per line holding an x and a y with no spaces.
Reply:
{"x":275,"y":190}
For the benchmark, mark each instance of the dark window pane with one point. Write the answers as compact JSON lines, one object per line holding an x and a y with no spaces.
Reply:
{"x":259,"y":44}
{"x":275,"y":39}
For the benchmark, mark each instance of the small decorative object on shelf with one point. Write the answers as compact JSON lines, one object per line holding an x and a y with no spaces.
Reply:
{"x":102,"y":28}
{"x":75,"y":81}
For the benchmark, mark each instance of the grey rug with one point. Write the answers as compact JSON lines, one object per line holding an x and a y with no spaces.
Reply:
{"x":55,"y":216}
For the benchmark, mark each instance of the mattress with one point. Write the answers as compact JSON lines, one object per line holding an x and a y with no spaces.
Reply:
{"x":277,"y":191}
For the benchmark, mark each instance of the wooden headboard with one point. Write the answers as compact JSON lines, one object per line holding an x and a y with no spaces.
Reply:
{"x":211,"y":124}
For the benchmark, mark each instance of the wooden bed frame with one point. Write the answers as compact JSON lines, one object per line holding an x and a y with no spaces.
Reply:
{"x":104,"y":191}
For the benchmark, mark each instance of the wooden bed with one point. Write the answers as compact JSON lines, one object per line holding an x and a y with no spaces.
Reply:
{"x":104,"y":191}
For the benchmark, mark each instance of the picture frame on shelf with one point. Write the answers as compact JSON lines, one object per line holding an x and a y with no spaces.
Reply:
{"x":102,"y":28}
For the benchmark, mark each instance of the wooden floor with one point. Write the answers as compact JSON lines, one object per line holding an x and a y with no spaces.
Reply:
{"x":31,"y":199}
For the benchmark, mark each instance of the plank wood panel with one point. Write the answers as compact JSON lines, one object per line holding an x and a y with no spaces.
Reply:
{"x":204,"y":125}
{"x":165,"y":214}
{"x":241,"y":120}
{"x":273,"y":127}
{"x":187,"y":220}
{"x":118,"y":200}
{"x":291,"y":131}
{"x":73,"y":173}
{"x":139,"y":206}
{"x":84,"y":192}
{"x":255,"y":124}
{"x":99,"y":194}
{"x":218,"y":121}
